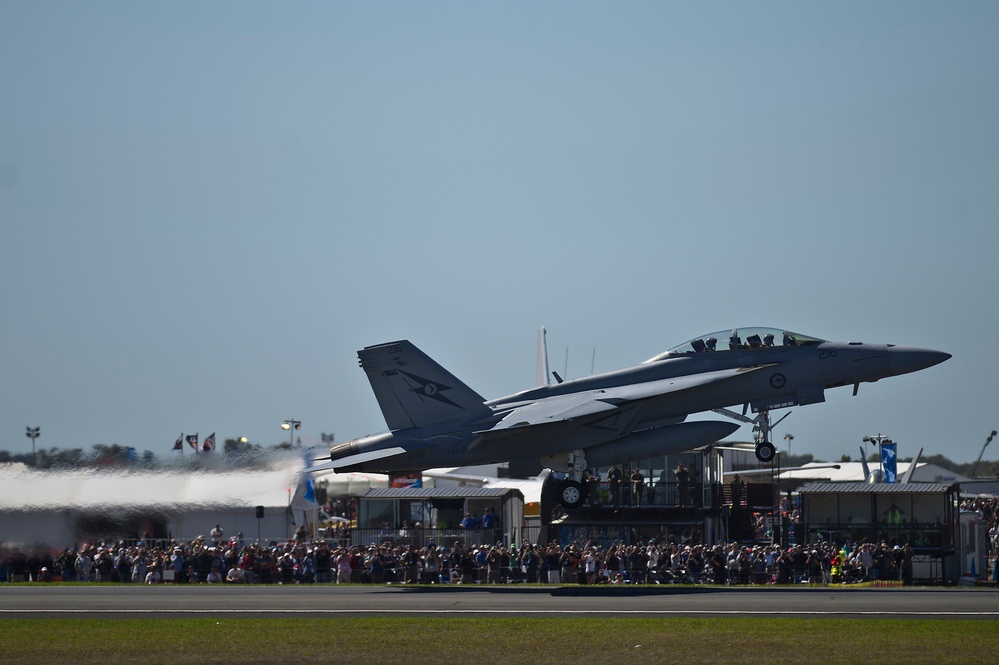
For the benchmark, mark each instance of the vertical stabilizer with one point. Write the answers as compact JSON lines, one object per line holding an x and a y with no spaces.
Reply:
{"x":912,"y":468}
{"x":863,"y":465}
{"x":415,"y":391}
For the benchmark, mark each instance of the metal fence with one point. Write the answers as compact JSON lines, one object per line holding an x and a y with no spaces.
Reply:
{"x":420,"y":538}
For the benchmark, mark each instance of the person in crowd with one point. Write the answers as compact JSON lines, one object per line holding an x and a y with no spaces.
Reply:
{"x":494,"y":564}
{"x":431,"y":566}
{"x":84,"y":565}
{"x":467,"y":566}
{"x":531,"y":561}
{"x":637,"y":486}
{"x":64,"y":564}
{"x":324,"y":562}
{"x":614,"y":477}
{"x":682,"y":483}
{"x":813,"y":565}
{"x":177,"y":564}
{"x":343,"y":565}
{"x":553,"y":563}
{"x":154,"y":576}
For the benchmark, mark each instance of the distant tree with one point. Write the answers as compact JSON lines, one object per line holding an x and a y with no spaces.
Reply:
{"x":110,"y":455}
{"x":55,"y":458}
{"x":236,"y":446}
{"x":798,"y":460}
{"x":22,"y":458}
{"x":845,"y":458}
{"x":244,"y":456}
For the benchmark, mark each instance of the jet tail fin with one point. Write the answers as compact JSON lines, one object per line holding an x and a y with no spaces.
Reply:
{"x":415,"y":391}
{"x":863,"y":464}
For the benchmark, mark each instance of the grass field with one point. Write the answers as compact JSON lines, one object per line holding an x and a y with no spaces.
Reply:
{"x":497,"y":640}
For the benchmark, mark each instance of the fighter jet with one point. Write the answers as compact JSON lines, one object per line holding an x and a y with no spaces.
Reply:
{"x":635,"y":413}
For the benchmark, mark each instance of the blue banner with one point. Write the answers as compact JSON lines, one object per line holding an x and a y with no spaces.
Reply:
{"x":889,"y":464}
{"x":310,"y":485}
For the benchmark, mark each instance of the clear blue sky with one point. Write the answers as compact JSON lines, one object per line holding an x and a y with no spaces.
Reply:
{"x":207,"y":208}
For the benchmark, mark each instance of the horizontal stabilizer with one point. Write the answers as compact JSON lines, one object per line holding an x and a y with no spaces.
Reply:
{"x":359,"y":458}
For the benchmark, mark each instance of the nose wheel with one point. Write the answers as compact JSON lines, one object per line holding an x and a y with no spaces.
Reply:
{"x":765,"y":451}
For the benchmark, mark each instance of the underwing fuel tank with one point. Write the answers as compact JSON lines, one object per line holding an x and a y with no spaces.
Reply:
{"x":659,"y":442}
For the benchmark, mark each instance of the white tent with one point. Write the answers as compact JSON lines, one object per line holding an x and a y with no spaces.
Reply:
{"x":61,"y":508}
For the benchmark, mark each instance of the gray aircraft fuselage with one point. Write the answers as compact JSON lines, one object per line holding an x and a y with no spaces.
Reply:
{"x":627,"y":414}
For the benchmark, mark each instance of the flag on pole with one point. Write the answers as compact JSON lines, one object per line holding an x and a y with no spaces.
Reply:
{"x":889,"y":461}
{"x":179,"y":443}
{"x":192,"y":440}
{"x":209,"y":444}
{"x":310,"y":486}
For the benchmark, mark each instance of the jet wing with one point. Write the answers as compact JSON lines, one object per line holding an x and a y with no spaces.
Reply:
{"x":583,"y":405}
{"x":553,"y":410}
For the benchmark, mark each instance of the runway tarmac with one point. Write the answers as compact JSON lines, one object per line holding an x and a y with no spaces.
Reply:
{"x":100,"y":601}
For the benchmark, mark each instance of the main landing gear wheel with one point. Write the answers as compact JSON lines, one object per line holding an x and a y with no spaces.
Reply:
{"x":765,"y":451}
{"x":571,"y":494}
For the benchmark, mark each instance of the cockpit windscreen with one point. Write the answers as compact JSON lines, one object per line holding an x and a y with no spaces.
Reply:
{"x":738,"y":339}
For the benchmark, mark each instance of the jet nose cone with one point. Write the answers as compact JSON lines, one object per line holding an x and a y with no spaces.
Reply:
{"x":905,"y":359}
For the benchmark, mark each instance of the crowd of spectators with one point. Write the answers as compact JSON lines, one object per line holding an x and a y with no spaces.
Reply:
{"x":988,"y":509}
{"x":304,"y":562}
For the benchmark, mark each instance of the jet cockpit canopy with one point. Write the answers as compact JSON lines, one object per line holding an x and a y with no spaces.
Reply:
{"x":738,"y":339}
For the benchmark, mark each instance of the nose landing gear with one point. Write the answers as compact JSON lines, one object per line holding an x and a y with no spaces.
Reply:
{"x":765,"y":451}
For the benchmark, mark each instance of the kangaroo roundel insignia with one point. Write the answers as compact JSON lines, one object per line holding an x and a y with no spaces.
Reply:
{"x":777,"y":381}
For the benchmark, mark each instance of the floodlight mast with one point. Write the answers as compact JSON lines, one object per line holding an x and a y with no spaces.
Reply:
{"x":291,"y":425}
{"x":987,"y":442}
{"x":35,"y":432}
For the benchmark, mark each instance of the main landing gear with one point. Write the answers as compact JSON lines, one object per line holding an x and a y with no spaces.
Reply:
{"x":765,"y":451}
{"x":571,"y":493}
{"x":571,"y":490}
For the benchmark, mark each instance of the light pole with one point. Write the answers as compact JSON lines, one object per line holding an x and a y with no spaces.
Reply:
{"x":987,"y":442}
{"x":877,"y":440}
{"x":33,"y":433}
{"x":789,"y":438}
{"x":291,"y":426}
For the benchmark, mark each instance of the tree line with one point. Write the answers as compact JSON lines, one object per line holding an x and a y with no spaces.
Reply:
{"x":245,"y":455}
{"x":234,"y":454}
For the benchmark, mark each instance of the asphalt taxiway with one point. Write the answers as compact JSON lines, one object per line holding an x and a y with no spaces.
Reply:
{"x":99,"y":601}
